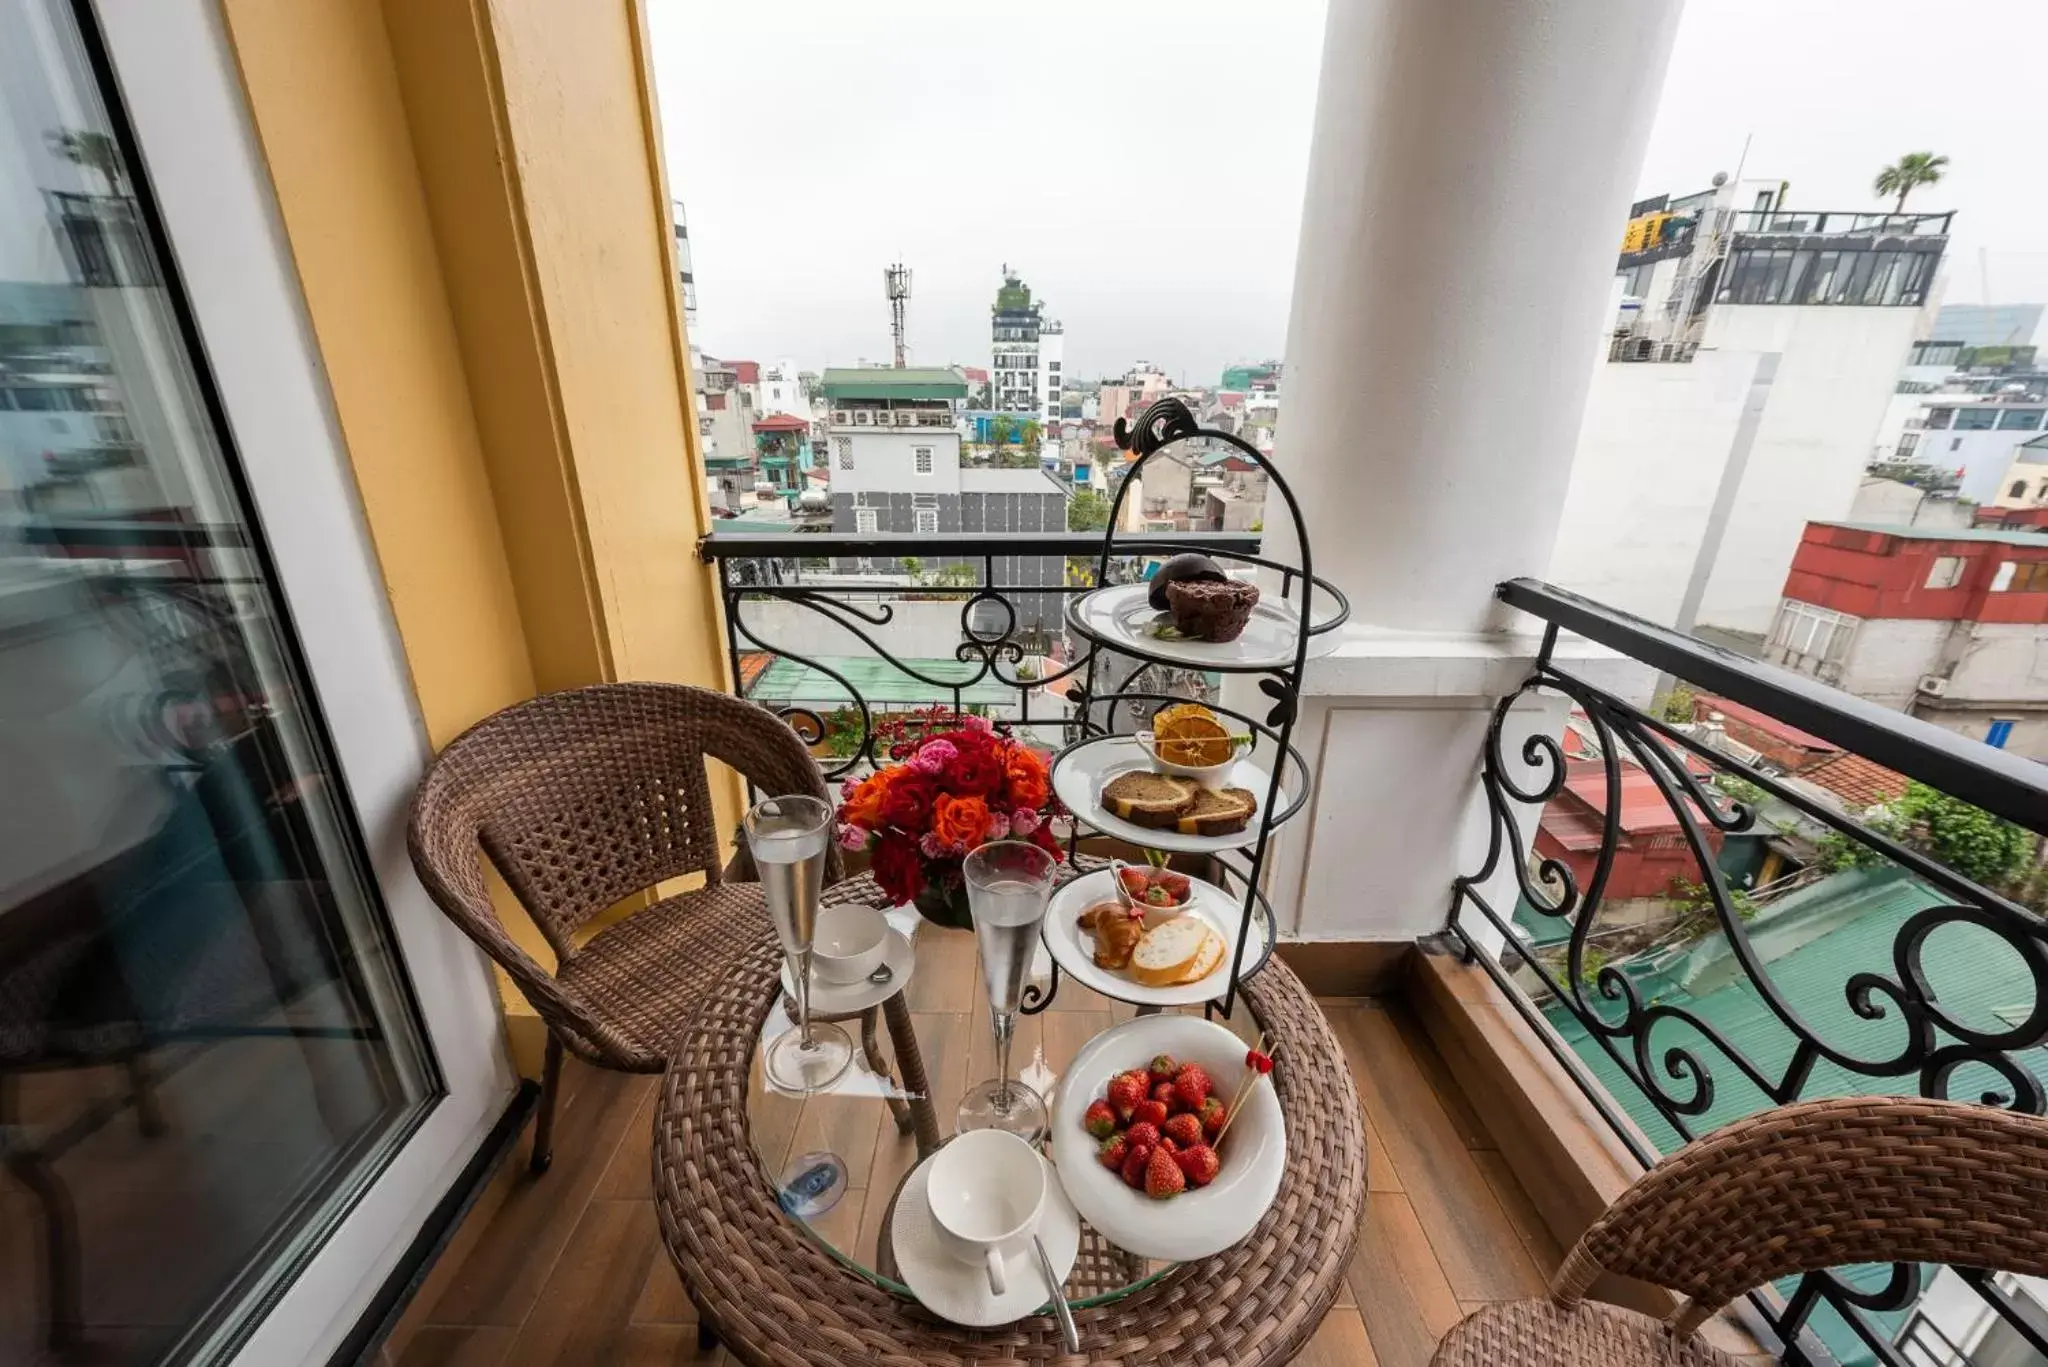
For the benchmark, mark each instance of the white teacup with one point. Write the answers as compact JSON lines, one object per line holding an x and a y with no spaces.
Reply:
{"x":987,"y":1191}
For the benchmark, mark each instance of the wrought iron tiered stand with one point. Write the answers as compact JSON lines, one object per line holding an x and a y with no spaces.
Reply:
{"x":1285,"y":633}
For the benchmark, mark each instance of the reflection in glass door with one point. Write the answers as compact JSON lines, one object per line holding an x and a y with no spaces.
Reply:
{"x":207,"y":1048}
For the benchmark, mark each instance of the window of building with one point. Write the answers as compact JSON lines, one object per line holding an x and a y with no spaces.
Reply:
{"x":1907,"y":444}
{"x":1976,"y":419}
{"x":844,"y":445}
{"x":2018,"y":490}
{"x":1805,"y":637}
{"x":864,"y":521}
{"x":1999,"y":734}
{"x":922,"y":455}
{"x":927,"y":521}
{"x":1946,"y":573}
{"x":2019,"y":420}
{"x":1939,"y":418}
{"x":2015,"y":577}
{"x":1955,"y":443}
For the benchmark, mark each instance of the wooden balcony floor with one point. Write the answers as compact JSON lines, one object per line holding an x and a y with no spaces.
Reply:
{"x":569,"y":1268}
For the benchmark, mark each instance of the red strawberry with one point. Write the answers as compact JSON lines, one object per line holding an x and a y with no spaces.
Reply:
{"x":1156,"y":896}
{"x":1192,"y":1085}
{"x":1163,"y":1068}
{"x":1113,"y":1152}
{"x":1135,"y":882}
{"x":1134,"y":1165}
{"x":1198,"y":1163}
{"x":1099,"y":1120}
{"x":1162,"y":1092}
{"x":1176,"y":884}
{"x":1183,"y":1129}
{"x":1154,"y":1111}
{"x":1142,"y":1135}
{"x":1125,"y":1092}
{"x":1163,"y":1178}
{"x":1213,"y":1114}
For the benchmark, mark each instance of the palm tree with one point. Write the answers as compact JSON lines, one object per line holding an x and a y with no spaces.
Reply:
{"x":1906,"y":174}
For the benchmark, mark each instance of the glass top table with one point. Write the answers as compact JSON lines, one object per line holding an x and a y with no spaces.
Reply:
{"x":868,"y":1124}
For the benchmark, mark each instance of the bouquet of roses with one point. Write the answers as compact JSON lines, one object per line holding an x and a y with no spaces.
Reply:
{"x":951,"y":791}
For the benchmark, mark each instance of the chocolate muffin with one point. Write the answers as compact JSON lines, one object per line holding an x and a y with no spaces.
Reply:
{"x":1209,"y":611}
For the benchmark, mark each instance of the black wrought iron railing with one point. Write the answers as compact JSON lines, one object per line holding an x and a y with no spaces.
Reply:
{"x":835,"y":631}
{"x":1894,"y":970}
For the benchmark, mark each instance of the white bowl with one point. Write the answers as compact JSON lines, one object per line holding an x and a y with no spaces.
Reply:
{"x":1197,"y":1223}
{"x":1211,"y":776}
{"x":849,"y":943}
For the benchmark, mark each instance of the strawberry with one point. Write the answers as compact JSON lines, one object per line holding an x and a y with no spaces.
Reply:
{"x":1177,"y":885}
{"x":1162,"y":1093}
{"x":1198,"y":1163}
{"x":1163,"y":1068}
{"x":1183,"y":1129}
{"x":1135,"y":1163}
{"x":1125,"y":1092}
{"x":1163,"y":1178}
{"x":1113,"y":1152}
{"x":1167,"y":1144}
{"x":1142,"y":1135}
{"x":1192,"y":1085}
{"x":1154,"y":1111}
{"x":1099,"y":1120}
{"x":1156,"y":896}
{"x":1213,"y":1114}
{"x":1135,"y":882}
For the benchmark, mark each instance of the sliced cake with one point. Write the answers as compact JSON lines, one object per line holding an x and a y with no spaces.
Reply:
{"x":1225,"y":811}
{"x":1148,"y":799}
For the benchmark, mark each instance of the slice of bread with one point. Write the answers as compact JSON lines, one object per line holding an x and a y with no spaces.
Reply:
{"x":1225,"y":811}
{"x":1208,"y":961}
{"x":1168,"y":951}
{"x":1147,"y":799}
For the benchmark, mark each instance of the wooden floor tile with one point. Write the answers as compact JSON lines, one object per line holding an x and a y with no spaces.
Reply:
{"x":439,"y":1345}
{"x":586,"y":1303}
{"x":1340,"y":1341}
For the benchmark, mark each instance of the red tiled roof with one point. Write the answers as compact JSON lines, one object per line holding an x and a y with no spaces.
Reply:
{"x":783,"y":422}
{"x":1856,"y":780}
{"x":753,"y":664}
{"x":974,"y":375}
{"x":1643,"y":808}
{"x":748,"y":371}
{"x":1749,"y":716}
{"x":1230,"y":398}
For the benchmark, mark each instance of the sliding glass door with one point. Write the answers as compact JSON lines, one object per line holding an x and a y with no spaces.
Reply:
{"x":211,"y":1047}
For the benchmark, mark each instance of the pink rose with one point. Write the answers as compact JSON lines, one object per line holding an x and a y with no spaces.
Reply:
{"x":998,"y":825}
{"x":852,"y":837}
{"x":933,"y":756}
{"x":973,"y":722}
{"x":1024,"y":821}
{"x":933,"y":847}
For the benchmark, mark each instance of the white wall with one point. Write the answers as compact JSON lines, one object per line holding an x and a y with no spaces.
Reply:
{"x":1838,"y":371}
{"x":884,"y":459}
{"x":1895,"y":504}
{"x":1982,"y":457}
{"x":2033,"y":473}
{"x":1888,"y":657}
{"x":1651,"y":452}
{"x":1052,"y":348}
{"x":2003,"y":661}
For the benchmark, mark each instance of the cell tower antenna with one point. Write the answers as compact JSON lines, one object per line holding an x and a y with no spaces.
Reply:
{"x":896,"y":281}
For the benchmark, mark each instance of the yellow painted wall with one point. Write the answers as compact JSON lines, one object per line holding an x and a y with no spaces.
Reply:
{"x":473,"y":195}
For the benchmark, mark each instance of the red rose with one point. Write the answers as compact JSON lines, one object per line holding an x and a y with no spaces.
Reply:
{"x":1045,"y":840}
{"x":898,"y":868}
{"x":908,"y":803}
{"x":976,"y":772}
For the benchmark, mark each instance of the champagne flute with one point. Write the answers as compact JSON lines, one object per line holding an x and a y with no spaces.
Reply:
{"x":788,"y":838}
{"x":1009,"y":883}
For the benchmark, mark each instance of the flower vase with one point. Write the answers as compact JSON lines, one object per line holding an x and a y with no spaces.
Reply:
{"x":945,"y":904}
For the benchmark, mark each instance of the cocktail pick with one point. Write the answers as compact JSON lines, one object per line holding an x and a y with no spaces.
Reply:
{"x":1257,"y":1063}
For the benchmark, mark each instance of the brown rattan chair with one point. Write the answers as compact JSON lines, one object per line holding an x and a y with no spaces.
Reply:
{"x":1803,"y":1187}
{"x":582,"y":799}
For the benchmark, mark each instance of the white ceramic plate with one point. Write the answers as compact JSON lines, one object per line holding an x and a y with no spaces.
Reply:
{"x":958,"y":1291}
{"x":1075,"y":951}
{"x":838,"y":999}
{"x":1197,"y":1223}
{"x":1079,"y":773}
{"x":1119,"y":616}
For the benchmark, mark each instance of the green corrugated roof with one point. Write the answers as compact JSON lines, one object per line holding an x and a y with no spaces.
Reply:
{"x":1946,"y":533}
{"x":881,"y":683}
{"x":911,"y":382}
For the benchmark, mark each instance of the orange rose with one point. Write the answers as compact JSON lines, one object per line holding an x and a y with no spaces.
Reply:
{"x":864,"y":807}
{"x":1024,"y":773}
{"x":961,"y":821}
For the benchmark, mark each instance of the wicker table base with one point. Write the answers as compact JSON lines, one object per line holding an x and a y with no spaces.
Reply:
{"x":776,"y":1297}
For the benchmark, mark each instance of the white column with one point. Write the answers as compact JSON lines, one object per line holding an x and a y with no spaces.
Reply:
{"x":1471,"y":173}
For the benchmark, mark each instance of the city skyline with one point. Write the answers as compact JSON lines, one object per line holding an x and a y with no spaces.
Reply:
{"x":1162,"y":227}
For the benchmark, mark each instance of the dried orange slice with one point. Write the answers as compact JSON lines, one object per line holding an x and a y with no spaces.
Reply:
{"x":1198,"y":742}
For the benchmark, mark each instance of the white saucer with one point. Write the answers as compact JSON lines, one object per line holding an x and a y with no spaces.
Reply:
{"x":845,"y":999}
{"x":958,"y":1291}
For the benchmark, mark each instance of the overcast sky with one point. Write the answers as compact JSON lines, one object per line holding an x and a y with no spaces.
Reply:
{"x":1141,"y":164}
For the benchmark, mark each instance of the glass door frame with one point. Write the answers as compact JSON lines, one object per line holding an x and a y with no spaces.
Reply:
{"x":177,"y":99}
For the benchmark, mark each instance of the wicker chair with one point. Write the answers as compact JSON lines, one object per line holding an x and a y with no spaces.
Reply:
{"x":582,"y":799}
{"x":1814,"y":1185}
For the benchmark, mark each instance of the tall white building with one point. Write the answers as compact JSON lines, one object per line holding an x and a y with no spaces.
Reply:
{"x":1026,"y":352}
{"x":1052,"y":346}
{"x":686,"y":274}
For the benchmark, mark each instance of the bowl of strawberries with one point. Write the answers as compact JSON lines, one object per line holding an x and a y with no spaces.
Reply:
{"x":1147,"y":1145}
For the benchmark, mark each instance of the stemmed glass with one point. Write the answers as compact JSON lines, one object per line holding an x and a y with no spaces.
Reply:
{"x":788,"y":837}
{"x":1008,"y":885}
